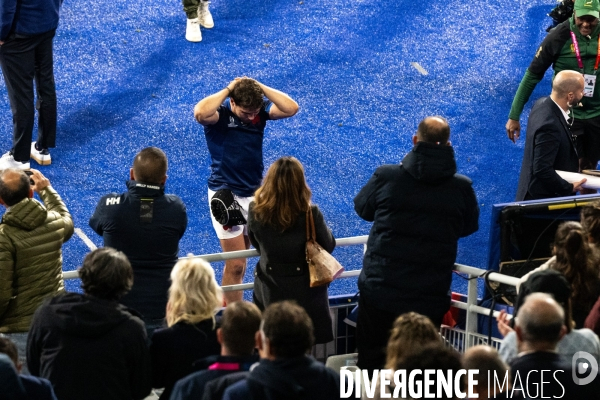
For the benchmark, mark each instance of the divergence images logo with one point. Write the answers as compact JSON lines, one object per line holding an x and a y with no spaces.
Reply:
{"x":589,"y":367}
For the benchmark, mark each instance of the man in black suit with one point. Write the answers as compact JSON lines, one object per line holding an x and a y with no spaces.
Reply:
{"x":549,"y":144}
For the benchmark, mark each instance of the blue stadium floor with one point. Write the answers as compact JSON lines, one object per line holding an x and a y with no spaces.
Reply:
{"x":364,"y":73}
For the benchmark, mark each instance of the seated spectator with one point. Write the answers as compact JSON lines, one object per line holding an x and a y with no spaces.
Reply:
{"x":146,"y":224}
{"x":236,"y":335}
{"x":194,"y":299}
{"x":88,"y":345}
{"x":12,"y":388}
{"x":410,"y":332}
{"x":34,"y":388}
{"x":285,"y":370}
{"x":590,"y":222}
{"x":574,"y":340}
{"x":593,"y":319}
{"x":31,"y":238}
{"x":574,"y":258}
{"x":539,"y":328}
{"x":433,"y":356}
{"x":487,"y":361}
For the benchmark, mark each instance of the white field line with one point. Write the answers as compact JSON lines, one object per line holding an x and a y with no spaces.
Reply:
{"x":85,"y":239}
{"x":418,"y":67}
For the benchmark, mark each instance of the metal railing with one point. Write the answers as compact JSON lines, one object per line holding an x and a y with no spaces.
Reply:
{"x":470,"y":306}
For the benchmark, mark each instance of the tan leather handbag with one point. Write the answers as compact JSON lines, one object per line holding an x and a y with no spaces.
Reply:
{"x":322,"y":266}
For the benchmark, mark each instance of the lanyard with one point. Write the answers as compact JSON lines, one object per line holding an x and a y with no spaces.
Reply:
{"x":578,"y":54}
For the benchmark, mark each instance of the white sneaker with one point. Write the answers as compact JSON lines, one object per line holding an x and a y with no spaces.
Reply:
{"x":42,"y":157}
{"x":204,"y":16}
{"x":8,"y":161}
{"x":192,"y":31}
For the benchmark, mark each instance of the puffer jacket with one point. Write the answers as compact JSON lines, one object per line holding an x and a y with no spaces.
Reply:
{"x":31,"y":237}
{"x":419,"y":210}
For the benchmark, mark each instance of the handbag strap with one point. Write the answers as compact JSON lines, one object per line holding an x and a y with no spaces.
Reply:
{"x":310,"y":225}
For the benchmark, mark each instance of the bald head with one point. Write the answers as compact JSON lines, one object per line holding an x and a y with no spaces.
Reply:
{"x":568,"y":83}
{"x":541,"y":320}
{"x":14,"y":186}
{"x":433,"y":130}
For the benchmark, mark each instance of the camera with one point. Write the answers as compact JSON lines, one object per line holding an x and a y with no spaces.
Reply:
{"x":29,"y":173}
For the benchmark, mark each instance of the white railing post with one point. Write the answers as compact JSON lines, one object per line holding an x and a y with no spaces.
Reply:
{"x":471,"y":320}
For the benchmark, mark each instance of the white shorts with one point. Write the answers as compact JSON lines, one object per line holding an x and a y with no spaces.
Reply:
{"x":234,"y":231}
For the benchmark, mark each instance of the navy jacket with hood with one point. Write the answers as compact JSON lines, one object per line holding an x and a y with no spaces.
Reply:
{"x":90,"y":349}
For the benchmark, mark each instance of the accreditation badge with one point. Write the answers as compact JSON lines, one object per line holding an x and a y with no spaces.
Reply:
{"x":589,"y":83}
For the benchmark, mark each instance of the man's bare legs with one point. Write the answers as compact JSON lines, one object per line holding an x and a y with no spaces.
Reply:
{"x":235,"y":269}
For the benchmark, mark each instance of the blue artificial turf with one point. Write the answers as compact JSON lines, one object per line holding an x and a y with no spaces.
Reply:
{"x":126,"y":79}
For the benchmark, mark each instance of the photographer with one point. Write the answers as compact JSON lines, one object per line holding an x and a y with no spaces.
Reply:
{"x":31,"y":237}
{"x":146,"y":224}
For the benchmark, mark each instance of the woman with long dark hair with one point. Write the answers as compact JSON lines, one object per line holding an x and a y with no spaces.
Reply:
{"x":577,"y":261}
{"x":277,"y":229}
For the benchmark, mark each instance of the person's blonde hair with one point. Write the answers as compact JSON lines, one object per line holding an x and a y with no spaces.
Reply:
{"x":283,"y":196}
{"x":410,"y":332}
{"x":194,"y":294}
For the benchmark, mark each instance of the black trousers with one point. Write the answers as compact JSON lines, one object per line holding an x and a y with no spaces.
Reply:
{"x":373,"y":327}
{"x":25,"y":60}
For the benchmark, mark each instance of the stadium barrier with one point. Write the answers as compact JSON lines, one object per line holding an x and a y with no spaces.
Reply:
{"x":341,"y":306}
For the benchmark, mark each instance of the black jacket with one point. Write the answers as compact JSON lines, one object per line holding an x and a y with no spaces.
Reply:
{"x":287,"y":379}
{"x":174,"y":351}
{"x":282,"y":272}
{"x":419,"y":210}
{"x":548,"y":147}
{"x":148,"y":236}
{"x":89,"y":349}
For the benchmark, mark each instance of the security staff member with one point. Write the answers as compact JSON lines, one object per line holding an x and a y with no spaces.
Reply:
{"x":572,"y":45}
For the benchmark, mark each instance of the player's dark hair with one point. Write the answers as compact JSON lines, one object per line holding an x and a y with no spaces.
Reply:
{"x":247,"y":94}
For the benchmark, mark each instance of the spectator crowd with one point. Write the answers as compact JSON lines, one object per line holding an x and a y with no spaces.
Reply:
{"x":148,"y":319}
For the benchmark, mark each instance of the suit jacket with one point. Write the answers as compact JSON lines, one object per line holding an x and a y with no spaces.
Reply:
{"x":548,"y":147}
